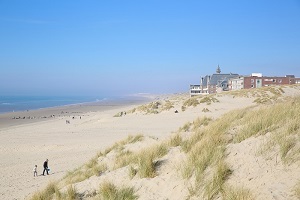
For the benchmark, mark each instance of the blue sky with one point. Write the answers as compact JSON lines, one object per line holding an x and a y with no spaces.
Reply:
{"x":96,"y":47}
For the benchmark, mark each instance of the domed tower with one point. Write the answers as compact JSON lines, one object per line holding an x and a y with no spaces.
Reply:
{"x":218,"y":70}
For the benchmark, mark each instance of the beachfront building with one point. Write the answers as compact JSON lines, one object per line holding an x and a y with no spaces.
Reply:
{"x":214,"y":83}
{"x":256,"y":80}
{"x":195,"y":90}
{"x":236,"y":83}
{"x":218,"y":82}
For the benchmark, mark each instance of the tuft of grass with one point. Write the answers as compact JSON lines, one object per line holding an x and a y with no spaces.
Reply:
{"x":193,"y":101}
{"x":204,"y":121}
{"x":216,"y":185}
{"x":168,"y":105}
{"x":71,"y":193}
{"x":86,"y":171}
{"x":132,"y":171}
{"x":147,"y":160}
{"x":119,"y":146}
{"x":209,"y":99}
{"x":239,"y":193}
{"x":175,"y":140}
{"x":151,"y":108}
{"x":263,"y":100}
{"x":133,"y":139}
{"x":205,"y":110}
{"x":47,"y":193}
{"x":109,"y":191}
{"x":186,"y":127}
{"x":285,"y":144}
{"x":146,"y":166}
{"x":297,"y":190}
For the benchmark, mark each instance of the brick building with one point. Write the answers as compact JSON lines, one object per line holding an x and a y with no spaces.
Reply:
{"x":257,"y":81}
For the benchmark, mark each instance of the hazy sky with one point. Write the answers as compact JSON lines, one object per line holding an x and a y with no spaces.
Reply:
{"x":95,"y":47}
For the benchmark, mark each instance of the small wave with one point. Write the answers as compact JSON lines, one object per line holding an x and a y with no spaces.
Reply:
{"x":99,"y":100}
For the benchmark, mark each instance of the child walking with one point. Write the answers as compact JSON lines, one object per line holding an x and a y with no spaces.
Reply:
{"x":35,"y":171}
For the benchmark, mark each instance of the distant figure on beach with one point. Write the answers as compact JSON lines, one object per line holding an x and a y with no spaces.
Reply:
{"x":45,"y":167}
{"x":176,"y":111}
{"x":35,"y":171}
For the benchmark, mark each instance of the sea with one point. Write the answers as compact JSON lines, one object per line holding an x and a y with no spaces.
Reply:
{"x":23,"y":103}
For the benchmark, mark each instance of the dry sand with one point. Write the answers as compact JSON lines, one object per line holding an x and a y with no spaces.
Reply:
{"x":68,"y":146}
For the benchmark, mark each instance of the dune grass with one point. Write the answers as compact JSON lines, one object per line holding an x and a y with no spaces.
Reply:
{"x":93,"y":167}
{"x":205,"y":110}
{"x":48,"y":193}
{"x":205,"y":151}
{"x":263,"y":94}
{"x":209,"y":99}
{"x":296,"y":190}
{"x":216,"y":184}
{"x":175,"y":140}
{"x":193,"y":101}
{"x":71,"y":193}
{"x":108,"y":191}
{"x":144,"y":160}
{"x":167,"y":105}
{"x":205,"y":146}
{"x":237,"y":193}
{"x":86,"y":171}
{"x":280,"y":119}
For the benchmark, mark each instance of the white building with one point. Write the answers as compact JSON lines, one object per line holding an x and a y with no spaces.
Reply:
{"x":236,"y":83}
{"x":195,"y":90}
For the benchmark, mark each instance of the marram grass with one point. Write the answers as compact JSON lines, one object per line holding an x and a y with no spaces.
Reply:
{"x":109,"y":191}
{"x":237,"y":193}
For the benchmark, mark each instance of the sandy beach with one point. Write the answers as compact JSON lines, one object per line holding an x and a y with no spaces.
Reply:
{"x":69,"y":146}
{"x":30,"y":137}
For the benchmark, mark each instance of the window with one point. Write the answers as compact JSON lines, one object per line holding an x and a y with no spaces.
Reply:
{"x":274,"y":80}
{"x":252,"y":86}
{"x":252,"y":80}
{"x":280,"y":81}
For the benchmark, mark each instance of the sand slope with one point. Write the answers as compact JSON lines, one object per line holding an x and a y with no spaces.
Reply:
{"x":68,"y":146}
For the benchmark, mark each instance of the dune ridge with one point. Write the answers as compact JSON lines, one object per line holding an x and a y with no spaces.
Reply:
{"x":235,"y":145}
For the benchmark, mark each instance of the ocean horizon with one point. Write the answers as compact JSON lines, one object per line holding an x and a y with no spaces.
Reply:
{"x":24,"y":103}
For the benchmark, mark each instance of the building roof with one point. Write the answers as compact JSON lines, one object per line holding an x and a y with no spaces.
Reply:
{"x":217,"y":79}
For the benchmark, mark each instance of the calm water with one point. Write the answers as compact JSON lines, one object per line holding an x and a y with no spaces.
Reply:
{"x":22,"y":103}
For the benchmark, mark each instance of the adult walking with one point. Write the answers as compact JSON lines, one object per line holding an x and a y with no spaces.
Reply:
{"x":45,"y":167}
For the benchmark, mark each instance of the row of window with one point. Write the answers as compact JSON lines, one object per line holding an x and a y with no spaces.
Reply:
{"x":267,"y":80}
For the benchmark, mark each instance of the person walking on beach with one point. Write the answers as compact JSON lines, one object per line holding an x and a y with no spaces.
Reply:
{"x":35,"y":171}
{"x":45,"y":167}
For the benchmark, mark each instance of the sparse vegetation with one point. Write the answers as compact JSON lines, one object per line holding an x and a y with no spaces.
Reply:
{"x":47,"y":193}
{"x":216,"y":184}
{"x":71,"y":193}
{"x":297,"y":190}
{"x":168,"y":105}
{"x":209,"y":99}
{"x":239,"y":193}
{"x":203,"y":143}
{"x":205,"y":110}
{"x":186,"y":127}
{"x":193,"y":101}
{"x":175,"y":140}
{"x":108,"y":191}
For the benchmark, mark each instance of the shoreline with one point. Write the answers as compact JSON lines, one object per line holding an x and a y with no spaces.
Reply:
{"x":11,"y":119}
{"x":28,"y":142}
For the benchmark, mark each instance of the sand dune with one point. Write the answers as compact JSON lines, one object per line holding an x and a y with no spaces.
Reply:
{"x":69,"y":146}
